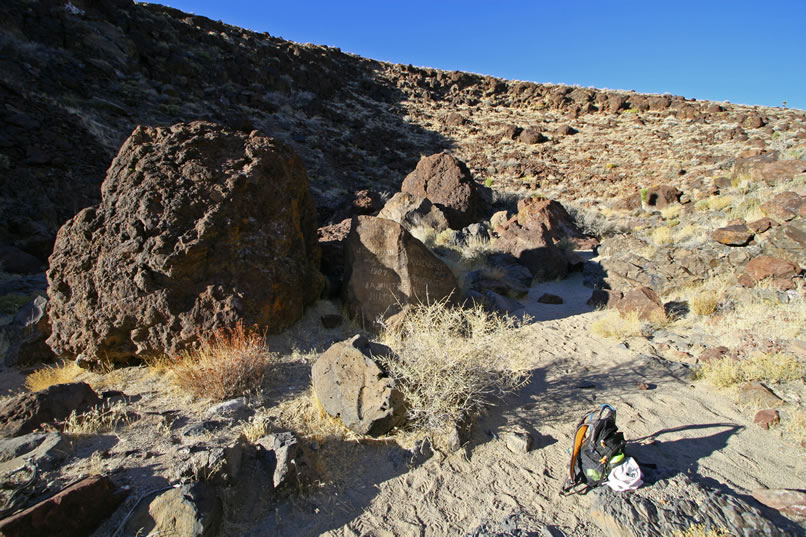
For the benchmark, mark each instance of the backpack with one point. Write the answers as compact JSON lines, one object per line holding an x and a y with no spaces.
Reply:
{"x":598,"y":447}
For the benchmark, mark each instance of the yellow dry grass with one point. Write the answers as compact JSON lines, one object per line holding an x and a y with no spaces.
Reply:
{"x":704,"y":303}
{"x":229,"y":363}
{"x":662,"y":235}
{"x":728,"y":371}
{"x":671,"y":211}
{"x":50,"y":375}
{"x":97,"y":420}
{"x":451,"y":362}
{"x":795,"y":426}
{"x":615,"y":326}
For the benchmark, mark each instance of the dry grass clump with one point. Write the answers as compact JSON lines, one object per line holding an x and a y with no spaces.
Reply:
{"x":227,"y":364}
{"x":615,"y":326}
{"x":728,"y":371}
{"x":451,"y":362}
{"x":97,"y":420}
{"x":671,"y":211}
{"x":662,"y":235}
{"x":704,"y":303}
{"x":698,"y":530}
{"x":50,"y":375}
{"x":795,"y":426}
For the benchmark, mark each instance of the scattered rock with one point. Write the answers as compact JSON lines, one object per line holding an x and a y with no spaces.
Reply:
{"x":199,"y":227}
{"x":661,"y":196}
{"x":783,"y":207}
{"x":758,"y":392}
{"x":672,"y":505}
{"x":218,"y":465}
{"x":713,"y":353}
{"x":644,"y":302}
{"x":286,"y":451}
{"x":26,"y":412}
{"x":788,"y":501}
{"x":531,"y":137}
{"x":447,"y":182}
{"x":454,"y":119}
{"x":761,"y":168}
{"x":46,"y":450}
{"x":604,"y":298}
{"x":234,"y":409}
{"x":27,"y":335}
{"x":548,"y":298}
{"x":517,"y":440}
{"x":766,"y":418}
{"x":411,"y":211}
{"x":737,"y":235}
{"x":761,"y":225}
{"x":188,"y":511}
{"x":386,"y":268}
{"x":352,"y":387}
{"x":534,"y":214}
{"x":74,"y":512}
{"x":764,"y":266}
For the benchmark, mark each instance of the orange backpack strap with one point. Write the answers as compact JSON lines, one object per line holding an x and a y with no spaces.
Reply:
{"x":578,"y":439}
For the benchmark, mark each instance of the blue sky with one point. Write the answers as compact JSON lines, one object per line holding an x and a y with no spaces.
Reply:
{"x":740,"y":51}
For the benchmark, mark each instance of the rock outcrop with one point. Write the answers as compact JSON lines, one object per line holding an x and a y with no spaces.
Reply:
{"x":386,"y":268}
{"x":199,"y":227}
{"x":446,"y":182}
{"x":352,"y":387}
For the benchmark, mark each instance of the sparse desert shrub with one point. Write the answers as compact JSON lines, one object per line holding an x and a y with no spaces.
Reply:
{"x":426,"y":235}
{"x":662,"y":236}
{"x":97,"y":420}
{"x":704,"y":303}
{"x":227,"y":364}
{"x":593,"y":222}
{"x":671,"y":211}
{"x":615,"y":326}
{"x":50,"y":375}
{"x":255,"y":428}
{"x":451,"y":362}
{"x":688,"y":232}
{"x":728,"y":371}
{"x":698,"y":530}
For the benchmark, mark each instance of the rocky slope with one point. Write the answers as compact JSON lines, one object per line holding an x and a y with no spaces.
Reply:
{"x":75,"y":80}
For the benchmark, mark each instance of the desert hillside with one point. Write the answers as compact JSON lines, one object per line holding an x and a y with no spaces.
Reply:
{"x":255,"y":287}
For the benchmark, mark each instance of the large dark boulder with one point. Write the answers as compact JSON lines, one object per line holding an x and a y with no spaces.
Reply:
{"x":199,"y":227}
{"x":447,"y":182}
{"x":386,"y":268}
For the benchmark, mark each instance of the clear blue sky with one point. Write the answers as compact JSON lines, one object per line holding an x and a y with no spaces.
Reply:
{"x":748,"y":52}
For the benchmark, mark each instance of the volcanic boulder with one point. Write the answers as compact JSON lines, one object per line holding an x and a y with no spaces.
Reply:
{"x":352,"y":387}
{"x":199,"y":227}
{"x":447,"y":182}
{"x":386,"y":268}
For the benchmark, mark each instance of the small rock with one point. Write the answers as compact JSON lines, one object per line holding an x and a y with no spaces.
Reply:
{"x":234,"y":409}
{"x":761,"y":225}
{"x":604,"y":298}
{"x":517,"y":441}
{"x":732,"y":235}
{"x":714,"y":353}
{"x":286,"y":450}
{"x":756,"y":391}
{"x":548,"y":298}
{"x":46,"y":450}
{"x":643,"y":386}
{"x":188,"y":511}
{"x":24,"y":413}
{"x":201,"y":428}
{"x":645,"y":302}
{"x":766,"y":418}
{"x":791,"y":502}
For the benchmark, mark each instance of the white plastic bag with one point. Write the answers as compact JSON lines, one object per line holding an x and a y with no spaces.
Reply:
{"x":625,"y":476}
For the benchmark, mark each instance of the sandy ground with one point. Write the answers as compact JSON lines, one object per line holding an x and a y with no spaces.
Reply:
{"x":677,"y":426}
{"x":374,"y":488}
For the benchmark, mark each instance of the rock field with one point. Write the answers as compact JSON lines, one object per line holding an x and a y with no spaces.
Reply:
{"x":182,"y":199}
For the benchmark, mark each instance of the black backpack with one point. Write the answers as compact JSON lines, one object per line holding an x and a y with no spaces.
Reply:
{"x":598,"y":446}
